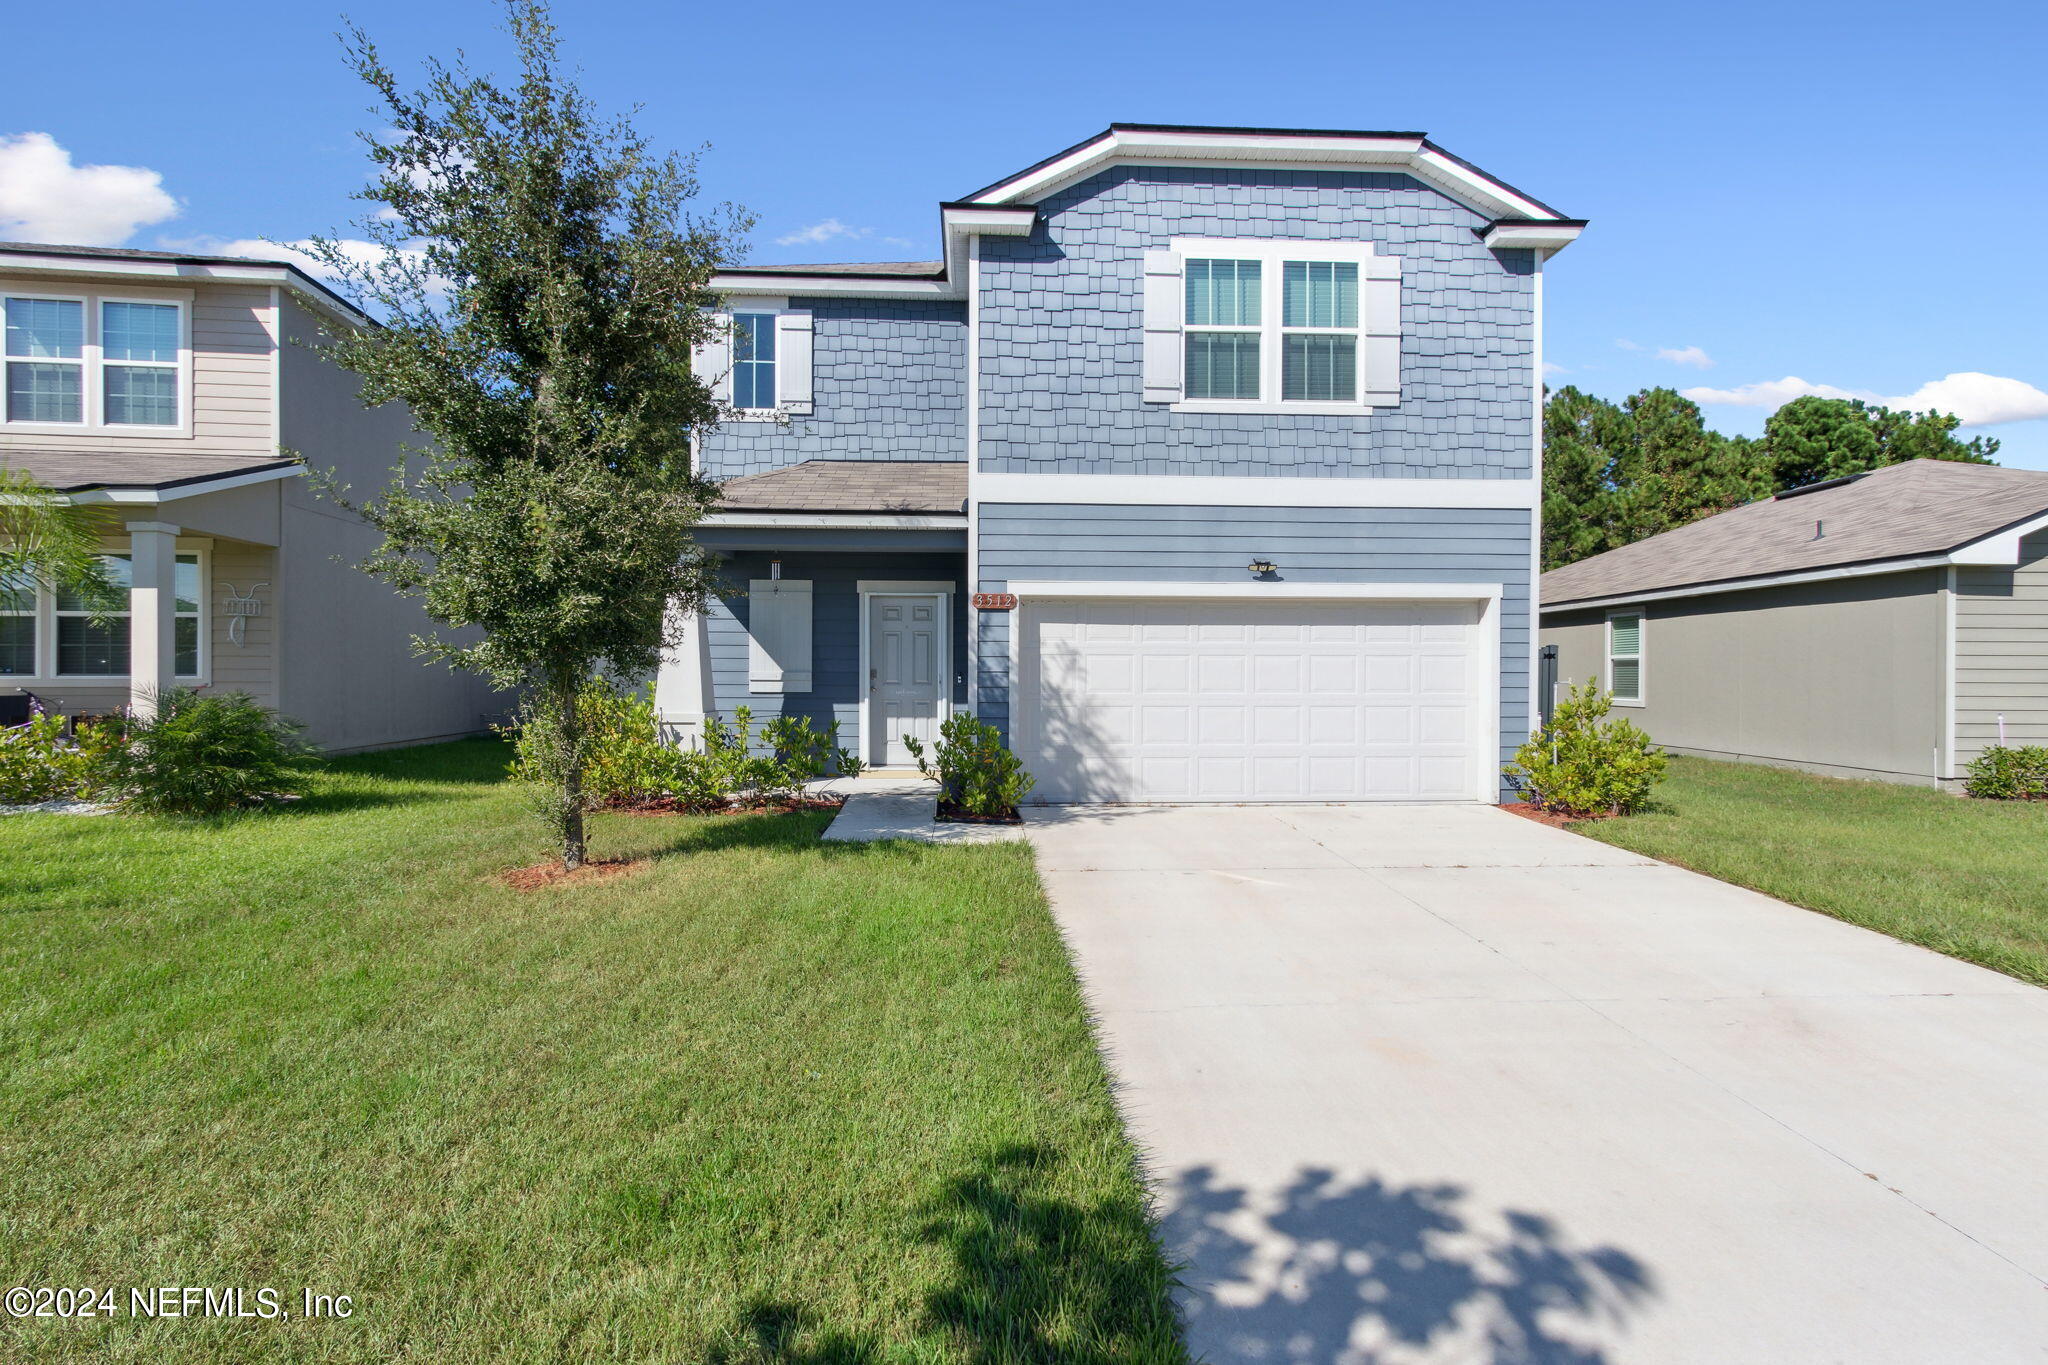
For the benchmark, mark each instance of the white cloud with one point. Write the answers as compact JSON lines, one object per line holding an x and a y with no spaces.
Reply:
{"x":46,"y":198}
{"x":831,"y":229}
{"x":1686,"y":355}
{"x":1551,"y":367}
{"x":1981,"y":400}
{"x":1626,"y":344}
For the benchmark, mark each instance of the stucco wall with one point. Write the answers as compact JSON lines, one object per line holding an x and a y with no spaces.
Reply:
{"x":1843,"y":676}
{"x":1063,"y":316}
{"x":2002,"y":652}
{"x":889,"y":382}
{"x":346,"y":666}
{"x":1213,"y":544}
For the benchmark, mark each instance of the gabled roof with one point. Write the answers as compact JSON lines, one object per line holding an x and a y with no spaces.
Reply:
{"x":1922,"y":510}
{"x":908,"y":487}
{"x":1006,"y":208}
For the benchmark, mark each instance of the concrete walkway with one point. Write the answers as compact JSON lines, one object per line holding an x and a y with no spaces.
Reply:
{"x":1441,"y":1084}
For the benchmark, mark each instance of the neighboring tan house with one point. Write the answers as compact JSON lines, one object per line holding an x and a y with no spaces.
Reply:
{"x":1204,"y":465}
{"x":170,"y":392}
{"x":1888,"y":625}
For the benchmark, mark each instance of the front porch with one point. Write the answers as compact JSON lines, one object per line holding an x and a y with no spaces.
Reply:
{"x":844,"y":600}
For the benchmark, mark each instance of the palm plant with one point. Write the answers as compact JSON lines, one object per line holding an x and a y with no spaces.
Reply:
{"x":49,"y":543}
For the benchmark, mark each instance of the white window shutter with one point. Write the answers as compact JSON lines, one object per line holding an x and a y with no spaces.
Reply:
{"x":793,"y":361}
{"x":1164,"y":309}
{"x":779,"y":635}
{"x":1382,"y":387}
{"x":712,"y":360}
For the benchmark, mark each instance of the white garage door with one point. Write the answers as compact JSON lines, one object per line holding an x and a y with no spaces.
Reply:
{"x":1188,"y":700}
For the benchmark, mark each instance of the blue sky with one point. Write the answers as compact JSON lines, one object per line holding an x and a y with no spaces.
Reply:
{"x":1840,"y":194}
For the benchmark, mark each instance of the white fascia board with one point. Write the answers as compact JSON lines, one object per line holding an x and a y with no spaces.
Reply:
{"x":1038,"y":588}
{"x":1201,"y":490}
{"x":1999,"y":548}
{"x":149,"y":496}
{"x":840,"y":521}
{"x":863,"y":286}
{"x":1745,"y":584}
{"x":252,"y":273}
{"x":1532,"y":236}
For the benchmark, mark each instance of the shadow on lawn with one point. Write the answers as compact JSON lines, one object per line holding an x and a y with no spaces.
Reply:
{"x":1325,"y":1270}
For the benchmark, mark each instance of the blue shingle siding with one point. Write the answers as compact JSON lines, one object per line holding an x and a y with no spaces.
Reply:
{"x":835,"y":633}
{"x":1213,"y":545}
{"x":889,"y":382}
{"x":1063,"y":314}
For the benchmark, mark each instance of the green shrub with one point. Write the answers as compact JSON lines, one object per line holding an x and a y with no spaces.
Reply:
{"x":975,"y":772}
{"x":38,"y":764}
{"x":1582,"y":764}
{"x":2018,"y":773}
{"x":204,"y":754}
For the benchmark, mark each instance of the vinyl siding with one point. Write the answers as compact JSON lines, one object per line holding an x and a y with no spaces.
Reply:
{"x":1842,"y":676}
{"x":232,"y":358}
{"x":837,"y":685}
{"x":1213,"y":545}
{"x":2002,"y":652}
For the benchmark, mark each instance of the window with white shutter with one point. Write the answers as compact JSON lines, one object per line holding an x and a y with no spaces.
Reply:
{"x":760,"y":363}
{"x":1271,"y":327}
{"x":1625,"y":657}
{"x":779,"y":635}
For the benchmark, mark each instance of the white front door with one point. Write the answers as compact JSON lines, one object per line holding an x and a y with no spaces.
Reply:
{"x":907,"y":667}
{"x":1239,"y":701}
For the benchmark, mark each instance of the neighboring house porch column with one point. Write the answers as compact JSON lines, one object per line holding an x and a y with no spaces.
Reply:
{"x":683,"y":685}
{"x":152,"y":613}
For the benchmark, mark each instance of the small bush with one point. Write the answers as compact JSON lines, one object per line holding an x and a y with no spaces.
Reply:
{"x":2019,"y":773}
{"x":38,"y":764}
{"x":1578,"y":765}
{"x":204,"y":754}
{"x":976,"y":774}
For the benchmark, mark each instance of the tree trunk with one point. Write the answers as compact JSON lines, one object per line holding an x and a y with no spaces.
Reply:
{"x":573,"y":847}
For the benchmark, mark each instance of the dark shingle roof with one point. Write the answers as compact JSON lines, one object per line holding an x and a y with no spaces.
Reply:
{"x":843,"y":268}
{"x":899,"y":486}
{"x":75,"y":471}
{"x":1922,"y":507}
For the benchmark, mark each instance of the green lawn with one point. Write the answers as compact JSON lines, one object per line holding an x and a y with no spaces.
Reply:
{"x":1969,"y":878}
{"x":762,"y":1100}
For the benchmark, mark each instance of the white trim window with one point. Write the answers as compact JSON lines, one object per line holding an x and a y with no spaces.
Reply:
{"x":1625,"y":680}
{"x":77,"y":361}
{"x":760,"y":362}
{"x":86,"y":648}
{"x":753,"y":361}
{"x":1307,"y":328}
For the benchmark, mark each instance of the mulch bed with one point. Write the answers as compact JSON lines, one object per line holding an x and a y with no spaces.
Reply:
{"x":554,"y":874}
{"x":1529,"y":810}
{"x":954,"y":815}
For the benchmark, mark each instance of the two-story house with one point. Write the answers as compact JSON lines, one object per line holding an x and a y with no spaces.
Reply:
{"x":176,"y":394}
{"x":1205,"y":465}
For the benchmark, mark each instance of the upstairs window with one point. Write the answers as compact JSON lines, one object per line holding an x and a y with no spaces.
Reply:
{"x":1625,"y":657}
{"x":753,"y":360}
{"x":1319,"y":332}
{"x":70,"y":364}
{"x":1223,"y":294}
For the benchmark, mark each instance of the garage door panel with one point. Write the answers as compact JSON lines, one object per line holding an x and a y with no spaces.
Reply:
{"x":1241,"y":701}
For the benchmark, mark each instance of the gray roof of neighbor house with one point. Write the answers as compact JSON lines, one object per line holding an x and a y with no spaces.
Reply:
{"x":898,"y":486}
{"x":1921,"y":507}
{"x":301,"y":278}
{"x":78,"y":471}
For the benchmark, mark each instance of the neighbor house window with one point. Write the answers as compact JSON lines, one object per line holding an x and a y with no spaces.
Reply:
{"x":119,"y":363}
{"x":753,"y":360}
{"x":1625,"y":656}
{"x":1223,"y":295}
{"x":17,"y":628}
{"x":139,"y":363}
{"x":45,"y":360}
{"x":99,"y":649}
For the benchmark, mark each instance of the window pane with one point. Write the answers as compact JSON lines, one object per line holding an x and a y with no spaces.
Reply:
{"x":1319,"y":294}
{"x":1319,"y":367}
{"x":1222,"y":365}
{"x":1223,"y":293}
{"x":46,"y":328}
{"x":17,"y":646}
{"x":142,"y":397}
{"x":185,"y":582}
{"x":753,"y":336}
{"x":753,"y":384}
{"x":90,"y":650}
{"x":1628,"y":678}
{"x":44,"y":393}
{"x":118,"y":568}
{"x":139,"y":331}
{"x":186,"y":629}
{"x":1628,"y":634}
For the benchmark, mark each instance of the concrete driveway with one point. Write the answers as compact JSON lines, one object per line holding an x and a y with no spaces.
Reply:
{"x":1438,"y":1083}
